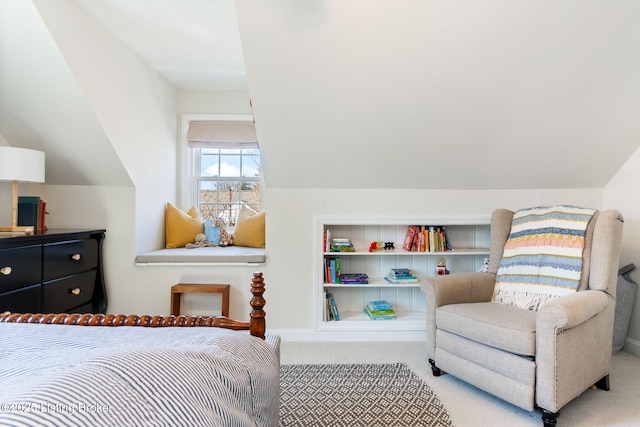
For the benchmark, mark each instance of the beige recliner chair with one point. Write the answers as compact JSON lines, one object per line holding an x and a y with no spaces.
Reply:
{"x":529,"y":358}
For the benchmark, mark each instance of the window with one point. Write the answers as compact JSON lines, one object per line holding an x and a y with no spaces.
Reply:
{"x":227,"y":179}
{"x":223,"y":166}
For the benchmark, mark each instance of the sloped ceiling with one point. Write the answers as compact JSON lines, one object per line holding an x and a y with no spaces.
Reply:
{"x":194,"y":44}
{"x":360,"y":93}
{"x":443,"y":94}
{"x":42,"y":107}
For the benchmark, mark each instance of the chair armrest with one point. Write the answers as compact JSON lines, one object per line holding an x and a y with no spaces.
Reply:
{"x":459,"y":288}
{"x":452,"y":289}
{"x":571,"y":310}
{"x":573,"y":346}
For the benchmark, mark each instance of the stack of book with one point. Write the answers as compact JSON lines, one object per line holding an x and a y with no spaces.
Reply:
{"x":332,"y":270}
{"x":342,"y":245}
{"x":380,"y":310}
{"x":354,"y":278}
{"x":331,"y":308}
{"x":401,"y":275}
{"x":426,"y":238}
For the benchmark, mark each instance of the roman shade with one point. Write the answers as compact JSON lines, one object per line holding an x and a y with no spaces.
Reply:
{"x":222,"y":134}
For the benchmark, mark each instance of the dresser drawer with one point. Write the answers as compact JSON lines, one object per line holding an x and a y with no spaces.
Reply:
{"x":71,"y":257}
{"x":20,"y":267}
{"x":26,"y":300}
{"x":62,"y":295}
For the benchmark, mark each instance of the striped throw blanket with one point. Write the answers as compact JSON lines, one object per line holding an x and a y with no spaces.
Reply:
{"x":542,"y":258}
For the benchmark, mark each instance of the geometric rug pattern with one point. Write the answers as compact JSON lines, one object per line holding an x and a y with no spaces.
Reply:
{"x":353,"y":395}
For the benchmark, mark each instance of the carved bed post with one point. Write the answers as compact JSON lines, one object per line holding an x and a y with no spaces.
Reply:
{"x":257,"y":323}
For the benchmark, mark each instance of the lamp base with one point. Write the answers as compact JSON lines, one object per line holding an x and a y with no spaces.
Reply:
{"x":27,"y":229}
{"x":15,"y":228}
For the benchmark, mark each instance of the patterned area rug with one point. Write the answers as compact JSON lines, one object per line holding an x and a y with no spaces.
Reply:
{"x":346,"y":395}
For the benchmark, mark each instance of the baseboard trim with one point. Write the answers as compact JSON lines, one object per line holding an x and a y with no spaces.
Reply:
{"x":632,"y":346}
{"x":309,"y":335}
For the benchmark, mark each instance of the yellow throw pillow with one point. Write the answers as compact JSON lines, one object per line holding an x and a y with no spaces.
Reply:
{"x":249,"y":229}
{"x":180,"y":227}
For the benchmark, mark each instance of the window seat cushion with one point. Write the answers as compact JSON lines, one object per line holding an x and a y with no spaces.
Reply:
{"x":208,"y":255}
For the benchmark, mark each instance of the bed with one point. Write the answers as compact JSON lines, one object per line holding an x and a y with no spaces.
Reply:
{"x":139,"y":370}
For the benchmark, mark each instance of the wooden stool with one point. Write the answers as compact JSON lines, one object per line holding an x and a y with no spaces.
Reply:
{"x":202,"y":288}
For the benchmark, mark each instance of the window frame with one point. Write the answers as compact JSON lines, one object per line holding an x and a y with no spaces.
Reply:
{"x":187,"y":163}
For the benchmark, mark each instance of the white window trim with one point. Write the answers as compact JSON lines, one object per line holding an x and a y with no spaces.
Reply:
{"x":186,"y":189}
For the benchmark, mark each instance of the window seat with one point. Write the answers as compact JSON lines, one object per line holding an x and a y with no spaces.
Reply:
{"x":229,"y":255}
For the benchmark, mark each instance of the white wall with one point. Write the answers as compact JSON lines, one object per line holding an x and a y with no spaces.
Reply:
{"x":133,"y":104}
{"x":622,"y":194}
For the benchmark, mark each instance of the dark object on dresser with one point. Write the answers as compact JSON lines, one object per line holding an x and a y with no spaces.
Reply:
{"x":53,"y":271}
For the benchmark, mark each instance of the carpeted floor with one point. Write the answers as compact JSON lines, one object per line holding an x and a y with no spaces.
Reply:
{"x":469,"y":406}
{"x":353,"y":395}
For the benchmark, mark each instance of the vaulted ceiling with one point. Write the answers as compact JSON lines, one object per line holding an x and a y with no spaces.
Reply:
{"x":368,"y":93}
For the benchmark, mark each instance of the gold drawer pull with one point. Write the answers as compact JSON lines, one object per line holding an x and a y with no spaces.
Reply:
{"x":75,"y":257}
{"x":75,"y":291}
{"x":5,"y":270}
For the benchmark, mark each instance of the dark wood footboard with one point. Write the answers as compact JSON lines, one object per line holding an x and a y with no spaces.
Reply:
{"x":256,"y":325}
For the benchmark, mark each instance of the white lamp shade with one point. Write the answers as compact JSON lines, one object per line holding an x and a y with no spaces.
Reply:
{"x":21,"y":164}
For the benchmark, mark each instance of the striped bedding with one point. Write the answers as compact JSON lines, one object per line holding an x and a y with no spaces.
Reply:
{"x":542,"y":257}
{"x":54,"y":375}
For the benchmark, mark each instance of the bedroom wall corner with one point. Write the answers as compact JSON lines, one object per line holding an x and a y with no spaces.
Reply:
{"x":622,"y":193}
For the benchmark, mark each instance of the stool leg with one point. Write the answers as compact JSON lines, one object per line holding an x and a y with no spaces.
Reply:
{"x":225,"y":302}
{"x":175,"y":303}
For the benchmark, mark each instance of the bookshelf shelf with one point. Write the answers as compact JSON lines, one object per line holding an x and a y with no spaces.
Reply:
{"x":469,"y":238}
{"x":396,"y":252}
{"x":373,"y":283}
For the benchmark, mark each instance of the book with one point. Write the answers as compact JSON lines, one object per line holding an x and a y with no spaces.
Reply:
{"x":448,"y":246}
{"x":401,"y":272}
{"x":379,"y":305}
{"x":333,"y":307}
{"x":332,"y":267}
{"x":380,"y":317}
{"x":41,"y":217}
{"x":354,"y":278}
{"x":327,"y":308}
{"x":402,"y":276}
{"x":396,"y":281}
{"x":415,"y":245}
{"x":327,"y":237}
{"x":341,"y":245}
{"x":409,"y":237}
{"x":386,"y":314}
{"x":28,"y":211}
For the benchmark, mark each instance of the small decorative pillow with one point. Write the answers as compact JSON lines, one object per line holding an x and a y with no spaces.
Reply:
{"x":542,"y":257}
{"x":212,"y":232}
{"x":250,"y":228}
{"x":181,"y":227}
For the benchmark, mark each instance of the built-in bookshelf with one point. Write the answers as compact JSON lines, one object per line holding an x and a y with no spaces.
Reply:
{"x":468,"y":238}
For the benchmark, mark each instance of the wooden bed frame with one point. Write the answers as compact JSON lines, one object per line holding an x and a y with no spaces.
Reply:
{"x":256,"y":325}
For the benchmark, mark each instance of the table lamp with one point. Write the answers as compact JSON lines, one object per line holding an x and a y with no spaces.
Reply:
{"x":20,"y":165}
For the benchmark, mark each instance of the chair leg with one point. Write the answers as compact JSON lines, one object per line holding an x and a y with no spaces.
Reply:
{"x":603,"y":383}
{"x":549,"y":419}
{"x":434,"y":369}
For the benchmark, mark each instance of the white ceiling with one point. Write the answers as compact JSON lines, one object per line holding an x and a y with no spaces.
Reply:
{"x":195,"y":44}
